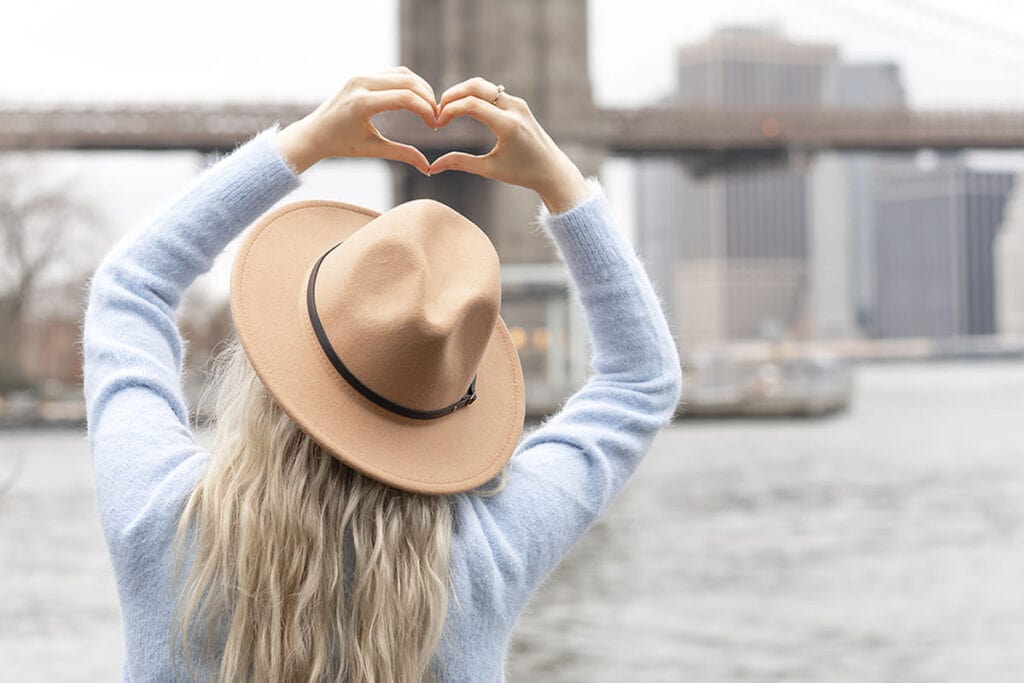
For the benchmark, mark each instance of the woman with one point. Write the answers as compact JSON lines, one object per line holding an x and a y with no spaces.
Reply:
{"x":280,"y":556}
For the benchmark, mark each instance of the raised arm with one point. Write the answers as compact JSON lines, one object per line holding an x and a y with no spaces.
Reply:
{"x":138,"y":426}
{"x":566,"y":472}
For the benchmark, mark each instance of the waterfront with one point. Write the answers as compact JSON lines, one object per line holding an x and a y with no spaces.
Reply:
{"x":883,"y":544}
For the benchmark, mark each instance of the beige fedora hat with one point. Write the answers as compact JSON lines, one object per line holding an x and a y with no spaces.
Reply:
{"x":380,"y":335}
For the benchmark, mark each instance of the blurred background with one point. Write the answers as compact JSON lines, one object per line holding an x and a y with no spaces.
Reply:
{"x":825,"y":195}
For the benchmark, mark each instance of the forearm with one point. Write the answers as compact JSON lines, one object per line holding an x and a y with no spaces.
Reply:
{"x":138,"y":424}
{"x":626,"y":322}
{"x":566,"y":471}
{"x":134,"y":292}
{"x":180,"y":241}
{"x":138,"y":285}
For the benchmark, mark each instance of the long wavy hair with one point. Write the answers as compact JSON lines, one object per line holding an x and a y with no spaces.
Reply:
{"x":302,"y":568}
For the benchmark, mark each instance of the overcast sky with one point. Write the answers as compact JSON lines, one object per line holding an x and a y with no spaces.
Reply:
{"x":952,"y":55}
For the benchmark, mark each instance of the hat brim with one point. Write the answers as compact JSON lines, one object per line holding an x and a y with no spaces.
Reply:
{"x":458,"y":452}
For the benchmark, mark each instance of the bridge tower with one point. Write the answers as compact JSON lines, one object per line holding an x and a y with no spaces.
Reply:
{"x":538,"y":50}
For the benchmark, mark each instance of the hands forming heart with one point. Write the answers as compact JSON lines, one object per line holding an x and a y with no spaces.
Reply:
{"x":524,"y":154}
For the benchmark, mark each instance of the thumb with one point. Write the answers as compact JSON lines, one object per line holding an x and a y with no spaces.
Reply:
{"x":460,"y":161}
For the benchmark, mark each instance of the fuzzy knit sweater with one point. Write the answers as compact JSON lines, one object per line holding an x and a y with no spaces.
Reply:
{"x":563,"y":474}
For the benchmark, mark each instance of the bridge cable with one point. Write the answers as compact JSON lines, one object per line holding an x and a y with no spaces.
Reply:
{"x":964,"y":22}
{"x":1008,"y":63}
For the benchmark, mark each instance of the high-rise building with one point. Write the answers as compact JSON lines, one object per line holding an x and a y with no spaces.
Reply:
{"x":740,"y":262}
{"x":740,"y":66}
{"x":833,"y":247}
{"x":728,"y":253}
{"x":765,"y":251}
{"x":1009,"y":258}
{"x":871,"y":85}
{"x":841,"y":285}
{"x":834,"y":207}
{"x":935,"y":233}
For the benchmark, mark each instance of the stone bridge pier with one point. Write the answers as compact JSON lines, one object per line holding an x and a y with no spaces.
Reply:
{"x":538,"y":50}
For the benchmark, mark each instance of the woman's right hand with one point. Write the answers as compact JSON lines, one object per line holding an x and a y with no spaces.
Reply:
{"x":524,"y":155}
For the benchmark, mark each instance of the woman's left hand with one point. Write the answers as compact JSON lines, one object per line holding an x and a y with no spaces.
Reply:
{"x":524,"y":155}
{"x":341,"y":126}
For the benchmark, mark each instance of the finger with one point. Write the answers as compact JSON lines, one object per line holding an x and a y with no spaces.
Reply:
{"x":402,"y":70}
{"x":497,"y":120}
{"x":376,"y":101}
{"x":476,"y":86}
{"x":460,"y":161}
{"x":396,"y":151}
{"x":396,"y":80}
{"x":406,"y":70}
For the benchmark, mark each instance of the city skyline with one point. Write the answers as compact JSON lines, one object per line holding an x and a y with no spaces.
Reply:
{"x":249,"y":64}
{"x":835,"y":246}
{"x":837,"y":81}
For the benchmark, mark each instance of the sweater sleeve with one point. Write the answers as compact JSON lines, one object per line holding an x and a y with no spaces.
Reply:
{"x":566,"y":471}
{"x":137,"y":418}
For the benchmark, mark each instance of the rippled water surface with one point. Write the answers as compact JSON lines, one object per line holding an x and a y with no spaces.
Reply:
{"x":886,"y":544}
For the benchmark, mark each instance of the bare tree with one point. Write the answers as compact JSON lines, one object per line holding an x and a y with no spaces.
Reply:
{"x":47,"y":233}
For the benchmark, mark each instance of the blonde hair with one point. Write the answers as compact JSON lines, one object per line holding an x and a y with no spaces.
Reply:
{"x":303,"y":568}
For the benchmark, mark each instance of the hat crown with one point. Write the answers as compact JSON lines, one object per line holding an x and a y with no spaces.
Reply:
{"x":409,"y":302}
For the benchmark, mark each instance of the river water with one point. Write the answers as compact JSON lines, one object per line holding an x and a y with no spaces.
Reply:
{"x":885,"y":544}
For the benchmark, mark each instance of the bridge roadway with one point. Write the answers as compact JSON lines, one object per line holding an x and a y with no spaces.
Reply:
{"x":651,"y":131}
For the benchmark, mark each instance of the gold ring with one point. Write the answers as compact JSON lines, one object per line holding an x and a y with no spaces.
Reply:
{"x":497,"y":96}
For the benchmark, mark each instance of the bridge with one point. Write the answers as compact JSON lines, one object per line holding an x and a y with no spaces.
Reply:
{"x":208,"y":126}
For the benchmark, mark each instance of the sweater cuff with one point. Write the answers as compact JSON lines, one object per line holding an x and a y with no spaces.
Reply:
{"x":254,"y":176}
{"x":586,"y":236}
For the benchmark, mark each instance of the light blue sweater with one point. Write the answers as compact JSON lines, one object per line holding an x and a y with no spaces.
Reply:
{"x":563,"y":474}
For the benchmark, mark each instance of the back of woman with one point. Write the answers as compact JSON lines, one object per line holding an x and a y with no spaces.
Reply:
{"x":361,"y":514}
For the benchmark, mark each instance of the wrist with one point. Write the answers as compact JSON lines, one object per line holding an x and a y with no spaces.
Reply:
{"x":566,"y":189}
{"x":296,"y":146}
